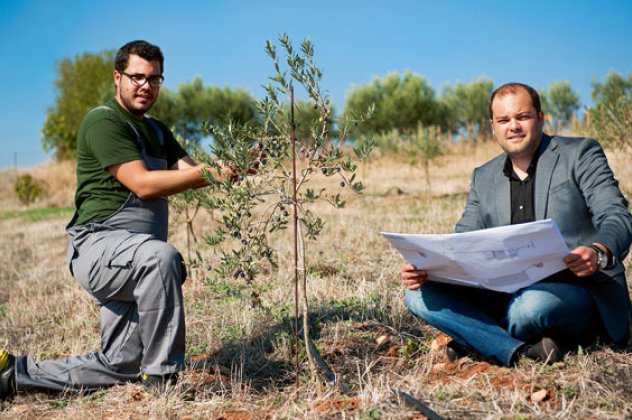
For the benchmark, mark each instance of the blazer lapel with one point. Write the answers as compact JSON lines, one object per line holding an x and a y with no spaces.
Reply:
{"x":544,"y":172}
{"x":503,"y":196}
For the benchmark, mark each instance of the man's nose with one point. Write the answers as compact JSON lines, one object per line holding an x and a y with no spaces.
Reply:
{"x":145,"y":87}
{"x":514,"y":124}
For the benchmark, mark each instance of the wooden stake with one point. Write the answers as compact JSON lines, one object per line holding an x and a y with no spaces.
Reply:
{"x":295,"y":231}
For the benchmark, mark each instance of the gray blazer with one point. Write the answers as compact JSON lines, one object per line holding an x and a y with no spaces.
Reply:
{"x":574,"y":186}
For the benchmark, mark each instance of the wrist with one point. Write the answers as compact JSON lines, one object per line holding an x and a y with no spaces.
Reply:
{"x":604,"y":257}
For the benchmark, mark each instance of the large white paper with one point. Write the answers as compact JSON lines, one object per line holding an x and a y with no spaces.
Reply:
{"x":504,"y":259}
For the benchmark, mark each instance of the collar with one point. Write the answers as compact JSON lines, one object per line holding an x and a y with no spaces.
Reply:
{"x":508,"y":167}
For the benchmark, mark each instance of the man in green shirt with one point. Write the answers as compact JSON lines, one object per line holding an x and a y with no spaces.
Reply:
{"x":127,"y":164}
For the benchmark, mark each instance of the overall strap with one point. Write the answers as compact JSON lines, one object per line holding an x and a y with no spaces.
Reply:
{"x":156,"y":127}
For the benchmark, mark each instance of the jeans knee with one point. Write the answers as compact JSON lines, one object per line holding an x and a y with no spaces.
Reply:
{"x":560,"y":310}
{"x":410,"y":299}
{"x":532,"y":313}
{"x":415,"y":302}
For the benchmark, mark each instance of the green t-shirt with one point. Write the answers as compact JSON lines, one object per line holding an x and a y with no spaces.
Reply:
{"x":105,"y":139}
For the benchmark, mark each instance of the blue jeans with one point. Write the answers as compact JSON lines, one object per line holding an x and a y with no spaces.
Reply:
{"x":498,"y":324}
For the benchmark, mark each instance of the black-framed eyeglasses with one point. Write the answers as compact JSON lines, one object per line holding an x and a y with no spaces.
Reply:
{"x":140,"y":79}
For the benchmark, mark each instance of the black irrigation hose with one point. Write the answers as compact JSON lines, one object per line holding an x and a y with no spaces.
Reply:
{"x":331,"y":379}
{"x":421,"y":407}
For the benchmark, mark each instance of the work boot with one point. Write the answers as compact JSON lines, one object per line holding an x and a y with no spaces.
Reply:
{"x":159,"y":384}
{"x":7,"y":374}
{"x":544,"y":351}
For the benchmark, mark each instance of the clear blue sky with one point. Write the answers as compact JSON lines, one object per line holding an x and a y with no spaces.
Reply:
{"x":536,"y":42}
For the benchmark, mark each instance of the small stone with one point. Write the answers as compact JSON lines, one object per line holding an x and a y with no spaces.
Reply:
{"x":382,"y":339}
{"x":540,"y":395}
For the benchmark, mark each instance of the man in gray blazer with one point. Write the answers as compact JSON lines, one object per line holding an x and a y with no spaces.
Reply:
{"x":537,"y":177}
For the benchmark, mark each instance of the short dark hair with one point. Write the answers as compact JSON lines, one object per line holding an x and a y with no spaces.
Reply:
{"x":513,"y":88}
{"x":142,"y":49}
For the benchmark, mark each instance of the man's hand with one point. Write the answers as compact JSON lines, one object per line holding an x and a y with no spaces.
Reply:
{"x":257,"y":157}
{"x":582,"y":261}
{"x":413,"y":278}
{"x":223,"y":172}
{"x":226,"y":172}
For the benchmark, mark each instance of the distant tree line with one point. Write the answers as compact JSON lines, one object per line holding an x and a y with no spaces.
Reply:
{"x":611,"y":118}
{"x":404,"y":105}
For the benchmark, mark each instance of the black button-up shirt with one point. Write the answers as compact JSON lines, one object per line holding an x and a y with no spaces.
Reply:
{"x":522,"y":201}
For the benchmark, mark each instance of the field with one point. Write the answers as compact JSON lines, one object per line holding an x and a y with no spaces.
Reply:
{"x":241,"y":358}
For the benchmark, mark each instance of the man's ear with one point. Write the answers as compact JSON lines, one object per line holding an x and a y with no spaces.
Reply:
{"x":117,"y":78}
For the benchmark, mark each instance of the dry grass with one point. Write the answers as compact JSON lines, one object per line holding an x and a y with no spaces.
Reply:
{"x":241,"y":358}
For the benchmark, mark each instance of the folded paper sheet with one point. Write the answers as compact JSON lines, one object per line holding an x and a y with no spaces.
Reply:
{"x":504,"y":259}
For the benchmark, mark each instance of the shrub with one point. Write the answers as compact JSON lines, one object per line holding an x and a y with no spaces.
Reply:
{"x":27,"y":189}
{"x":611,"y":123}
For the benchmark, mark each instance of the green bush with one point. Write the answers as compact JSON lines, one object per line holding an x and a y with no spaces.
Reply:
{"x":611,"y":123}
{"x":27,"y":189}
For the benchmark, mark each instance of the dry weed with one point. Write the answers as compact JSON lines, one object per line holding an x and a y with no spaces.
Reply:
{"x":241,"y":358}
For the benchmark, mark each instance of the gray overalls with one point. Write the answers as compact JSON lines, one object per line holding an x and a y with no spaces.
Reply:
{"x":136,"y":277}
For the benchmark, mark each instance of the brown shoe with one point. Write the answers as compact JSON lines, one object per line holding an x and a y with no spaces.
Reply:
{"x":544,"y":351}
{"x":454,"y":351}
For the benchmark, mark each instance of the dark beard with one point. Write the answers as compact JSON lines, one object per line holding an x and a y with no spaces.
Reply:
{"x":137,"y":112}
{"x":132,"y":110}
